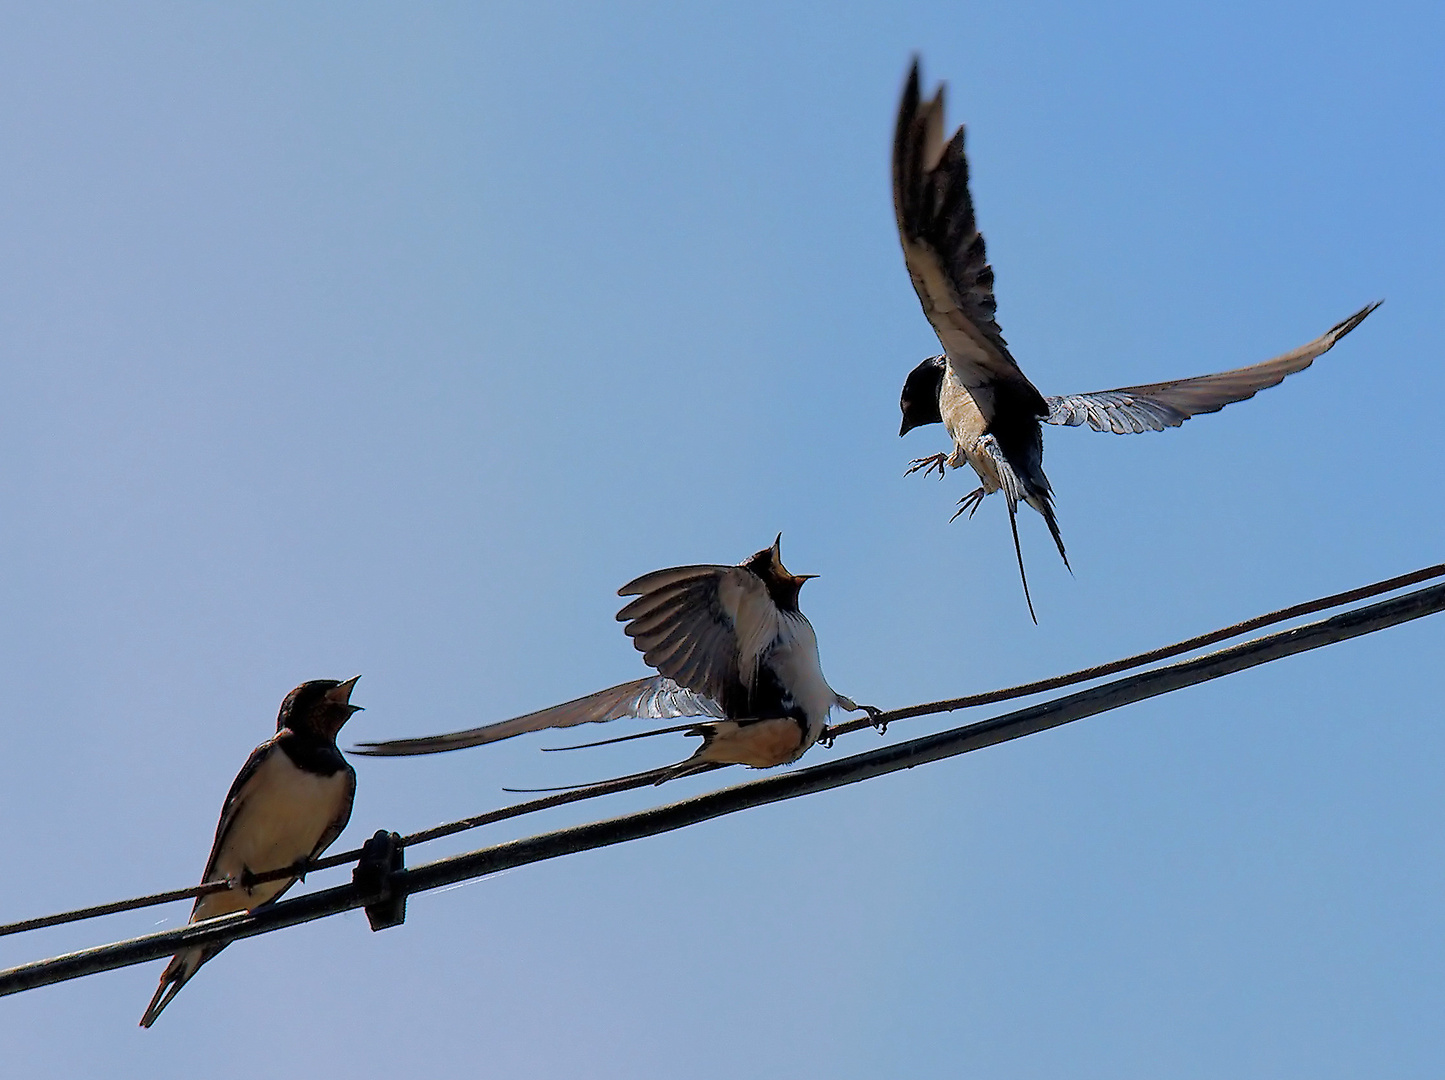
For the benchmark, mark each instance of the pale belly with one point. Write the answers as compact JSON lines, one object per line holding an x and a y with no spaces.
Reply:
{"x":761,"y":744}
{"x":284,"y":812}
{"x":966,"y":426}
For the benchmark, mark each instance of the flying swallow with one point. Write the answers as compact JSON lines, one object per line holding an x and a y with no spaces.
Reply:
{"x":290,"y":800}
{"x":975,"y":388}
{"x":730,"y":645}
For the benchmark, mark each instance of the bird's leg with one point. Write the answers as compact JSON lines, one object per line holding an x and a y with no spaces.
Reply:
{"x":927,"y":464}
{"x":827,"y":739}
{"x":970,"y":502}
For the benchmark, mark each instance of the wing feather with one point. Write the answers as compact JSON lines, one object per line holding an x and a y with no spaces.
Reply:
{"x":944,"y":251}
{"x":1132,"y":409}
{"x":652,"y":698}
{"x":236,"y":798}
{"x":687,"y":622}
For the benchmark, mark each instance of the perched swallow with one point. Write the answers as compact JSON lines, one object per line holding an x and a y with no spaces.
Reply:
{"x":291,"y":799}
{"x":729,"y":643}
{"x":975,"y":388}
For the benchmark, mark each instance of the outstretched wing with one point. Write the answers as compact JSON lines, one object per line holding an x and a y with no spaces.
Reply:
{"x":653,"y":698}
{"x":704,"y":627}
{"x":1132,"y":409}
{"x":945,"y":253}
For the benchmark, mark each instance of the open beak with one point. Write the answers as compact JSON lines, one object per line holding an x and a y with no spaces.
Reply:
{"x":341,"y":695}
{"x":783,"y":570}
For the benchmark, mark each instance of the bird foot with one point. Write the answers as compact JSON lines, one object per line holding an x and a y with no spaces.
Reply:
{"x":928,"y":464}
{"x":827,"y":739}
{"x":970,"y":502}
{"x":874,"y":714}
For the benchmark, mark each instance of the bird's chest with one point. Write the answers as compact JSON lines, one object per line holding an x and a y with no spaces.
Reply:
{"x":960,"y":411}
{"x":966,"y":426}
{"x":793,"y":664}
{"x":282,"y":813}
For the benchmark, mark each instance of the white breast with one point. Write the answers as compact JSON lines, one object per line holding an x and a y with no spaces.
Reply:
{"x":795,"y":659}
{"x":960,"y":411}
{"x":281,"y":815}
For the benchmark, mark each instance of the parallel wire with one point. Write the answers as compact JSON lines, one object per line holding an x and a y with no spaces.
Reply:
{"x":793,"y":784}
{"x":1188,"y":645}
{"x":593,"y":791}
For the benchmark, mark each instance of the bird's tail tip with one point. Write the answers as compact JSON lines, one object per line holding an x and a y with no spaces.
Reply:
{"x":170,"y":986}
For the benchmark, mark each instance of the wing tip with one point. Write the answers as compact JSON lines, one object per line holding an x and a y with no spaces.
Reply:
{"x":1339,"y":330}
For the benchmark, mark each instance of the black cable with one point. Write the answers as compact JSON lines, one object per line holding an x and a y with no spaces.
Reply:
{"x":790,"y":785}
{"x":593,"y":791}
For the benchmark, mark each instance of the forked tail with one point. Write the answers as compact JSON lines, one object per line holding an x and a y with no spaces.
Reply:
{"x":657,"y":776}
{"x":1032,"y":487}
{"x":177,"y":973}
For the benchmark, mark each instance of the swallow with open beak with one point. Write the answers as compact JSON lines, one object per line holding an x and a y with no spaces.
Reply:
{"x":289,"y":802}
{"x":729,"y":644}
{"x":975,"y":388}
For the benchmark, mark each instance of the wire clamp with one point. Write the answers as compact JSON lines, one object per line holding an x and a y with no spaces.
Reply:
{"x":382,"y":858}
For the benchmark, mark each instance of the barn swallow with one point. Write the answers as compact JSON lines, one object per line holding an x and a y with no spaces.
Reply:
{"x":290,"y":800}
{"x":975,"y":388}
{"x":729,"y":644}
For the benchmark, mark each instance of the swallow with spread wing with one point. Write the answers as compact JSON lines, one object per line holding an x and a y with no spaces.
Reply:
{"x":975,"y":388}
{"x":729,"y":644}
{"x":289,"y":802}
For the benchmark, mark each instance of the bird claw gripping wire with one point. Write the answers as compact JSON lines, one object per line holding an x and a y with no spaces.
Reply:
{"x":382,"y":857}
{"x":875,"y":717}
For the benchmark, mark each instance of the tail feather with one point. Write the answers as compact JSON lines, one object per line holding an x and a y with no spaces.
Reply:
{"x":1018,"y":488}
{"x":1044,"y":504}
{"x":691,"y":729}
{"x":1013,"y":524}
{"x":177,"y":973}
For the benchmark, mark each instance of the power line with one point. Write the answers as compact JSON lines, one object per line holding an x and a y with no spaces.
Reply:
{"x":1188,"y":645}
{"x":790,"y":785}
{"x":593,"y":791}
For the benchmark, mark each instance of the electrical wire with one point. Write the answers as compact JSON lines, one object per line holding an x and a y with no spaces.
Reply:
{"x":793,"y":784}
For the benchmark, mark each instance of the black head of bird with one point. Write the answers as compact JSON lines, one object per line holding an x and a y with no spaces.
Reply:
{"x":783,"y":587}
{"x":919,"y":400}
{"x":319,"y":707}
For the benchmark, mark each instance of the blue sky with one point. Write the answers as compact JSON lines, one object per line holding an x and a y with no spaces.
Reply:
{"x":360,"y":338}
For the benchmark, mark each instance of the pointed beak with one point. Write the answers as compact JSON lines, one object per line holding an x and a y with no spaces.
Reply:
{"x":904,"y":428}
{"x":341,"y":695}
{"x":778,"y":548}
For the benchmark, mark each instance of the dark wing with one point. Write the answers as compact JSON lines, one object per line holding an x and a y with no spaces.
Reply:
{"x":945,"y":253}
{"x":338,"y":823}
{"x":1132,"y":409}
{"x":234,"y":798}
{"x":703,"y":627}
{"x":653,"y":698}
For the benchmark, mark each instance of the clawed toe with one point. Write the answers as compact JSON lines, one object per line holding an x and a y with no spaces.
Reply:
{"x":969,"y":502}
{"x":927,"y":464}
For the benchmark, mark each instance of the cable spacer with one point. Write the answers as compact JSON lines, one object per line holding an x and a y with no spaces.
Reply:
{"x":381,"y":859}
